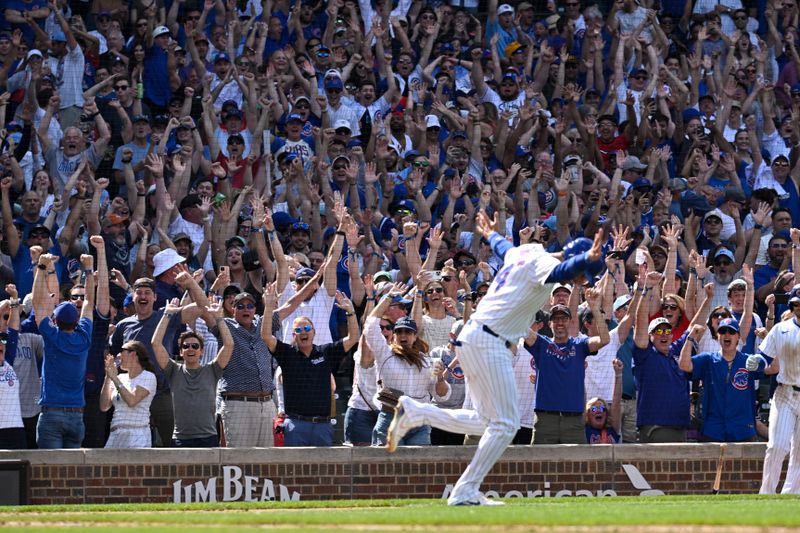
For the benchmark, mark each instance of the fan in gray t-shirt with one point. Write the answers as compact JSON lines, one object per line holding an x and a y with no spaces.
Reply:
{"x":193,"y":386}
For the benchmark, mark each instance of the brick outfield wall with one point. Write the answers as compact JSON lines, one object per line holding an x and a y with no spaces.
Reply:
{"x":115,"y":476}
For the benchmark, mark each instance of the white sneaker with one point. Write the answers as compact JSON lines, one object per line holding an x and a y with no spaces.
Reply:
{"x":398,"y":428}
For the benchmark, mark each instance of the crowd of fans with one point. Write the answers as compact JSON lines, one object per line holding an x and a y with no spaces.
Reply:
{"x":215,"y":212}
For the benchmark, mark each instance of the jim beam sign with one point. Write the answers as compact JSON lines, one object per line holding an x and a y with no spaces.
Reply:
{"x":235,"y":487}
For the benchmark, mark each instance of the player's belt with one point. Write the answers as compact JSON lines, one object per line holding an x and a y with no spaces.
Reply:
{"x":794,"y":387}
{"x":488,"y":330}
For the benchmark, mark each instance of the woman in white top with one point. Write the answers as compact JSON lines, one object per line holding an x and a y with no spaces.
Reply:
{"x":434,"y":312}
{"x":131,"y":395}
{"x":402,"y":364}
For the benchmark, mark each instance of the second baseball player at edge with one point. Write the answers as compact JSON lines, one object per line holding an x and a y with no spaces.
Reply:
{"x":483,"y":348}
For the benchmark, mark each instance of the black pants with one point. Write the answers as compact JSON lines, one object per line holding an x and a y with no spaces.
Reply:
{"x":30,"y":431}
{"x":523,"y":436}
{"x":95,"y":422}
{"x":12,"y":439}
{"x":445,"y":438}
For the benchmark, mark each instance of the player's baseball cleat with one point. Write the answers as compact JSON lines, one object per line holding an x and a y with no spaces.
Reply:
{"x":480,"y":500}
{"x":483,"y":500}
{"x":398,"y":428}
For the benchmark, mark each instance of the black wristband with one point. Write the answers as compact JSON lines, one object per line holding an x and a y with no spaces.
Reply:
{"x":141,"y":194}
{"x":339,"y":232}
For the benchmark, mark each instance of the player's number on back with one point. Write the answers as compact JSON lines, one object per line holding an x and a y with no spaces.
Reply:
{"x":500,"y":280}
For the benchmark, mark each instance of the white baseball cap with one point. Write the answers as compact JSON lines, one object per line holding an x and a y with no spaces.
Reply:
{"x":34,"y":52}
{"x":432,"y":121}
{"x":342,"y":123}
{"x":504,"y":8}
{"x":160,"y":30}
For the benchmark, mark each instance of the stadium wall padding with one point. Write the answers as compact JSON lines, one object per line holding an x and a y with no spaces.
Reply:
{"x":150,"y":475}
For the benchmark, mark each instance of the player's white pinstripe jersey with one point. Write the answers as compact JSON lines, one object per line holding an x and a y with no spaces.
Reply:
{"x":517,"y":292}
{"x":782,"y":343}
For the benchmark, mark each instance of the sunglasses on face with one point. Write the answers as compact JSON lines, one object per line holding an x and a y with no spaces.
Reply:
{"x":245,"y":306}
{"x":597,"y":408}
{"x":662,"y":331}
{"x":713,"y":220}
{"x":403,"y":212}
{"x":672,"y":307}
{"x":305,"y":328}
{"x":323,"y":54}
{"x":387,"y":327}
{"x":447,"y":278}
{"x":422,"y":163}
{"x":780,"y":164}
{"x":720,"y":316}
{"x":464,"y":264}
{"x":192,"y":345}
{"x":333,"y":91}
{"x":300,"y":225}
{"x":121,"y":88}
{"x":302,"y":281}
{"x":77,"y":296}
{"x":727,"y":331}
{"x":437,"y":290}
{"x":404,"y":62}
{"x":480,"y":294}
{"x":236,"y":142}
{"x":340,"y":167}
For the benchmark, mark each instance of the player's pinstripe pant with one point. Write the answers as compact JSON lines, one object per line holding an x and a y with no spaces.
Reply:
{"x":487,"y":365}
{"x":784,"y":436}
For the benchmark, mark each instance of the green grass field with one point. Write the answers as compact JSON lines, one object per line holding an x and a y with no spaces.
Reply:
{"x":664,"y":514}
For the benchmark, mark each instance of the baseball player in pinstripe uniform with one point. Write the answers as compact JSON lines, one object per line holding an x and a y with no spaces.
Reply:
{"x":783,"y":343}
{"x":504,"y":316}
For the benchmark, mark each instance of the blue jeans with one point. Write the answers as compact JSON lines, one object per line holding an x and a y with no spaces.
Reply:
{"x":302,"y":433}
{"x":212,"y":441}
{"x":420,"y":436}
{"x":358,"y":426}
{"x":59,"y":429}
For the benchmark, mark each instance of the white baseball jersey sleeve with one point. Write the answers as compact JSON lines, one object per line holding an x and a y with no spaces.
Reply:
{"x":517,"y":292}
{"x":782,"y":343}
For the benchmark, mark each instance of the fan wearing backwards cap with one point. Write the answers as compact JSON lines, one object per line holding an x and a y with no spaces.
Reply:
{"x":67,"y":336}
{"x":503,"y":316}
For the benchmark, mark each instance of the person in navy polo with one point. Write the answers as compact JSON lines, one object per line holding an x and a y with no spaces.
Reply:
{"x":306,"y":371}
{"x":662,"y":406}
{"x":561,"y":372}
{"x":729,"y":398}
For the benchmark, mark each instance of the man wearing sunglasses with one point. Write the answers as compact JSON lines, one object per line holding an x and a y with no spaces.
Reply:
{"x":729,"y":394}
{"x":193,"y":384}
{"x":662,"y":407}
{"x":306,"y":369}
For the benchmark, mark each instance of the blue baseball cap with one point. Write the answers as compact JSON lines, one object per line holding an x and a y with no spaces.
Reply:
{"x":397,"y":299}
{"x":334,"y":83}
{"x":66,"y":313}
{"x":294,"y":117}
{"x":724,"y":252}
{"x":405,"y":323}
{"x":222,"y":56}
{"x":728,"y":323}
{"x":58,"y":36}
{"x":304,"y":273}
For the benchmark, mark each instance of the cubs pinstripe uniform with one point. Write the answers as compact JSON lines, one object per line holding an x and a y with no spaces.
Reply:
{"x":504,"y":316}
{"x":783,"y":343}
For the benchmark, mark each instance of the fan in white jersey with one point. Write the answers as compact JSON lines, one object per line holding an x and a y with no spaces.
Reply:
{"x":483,"y":348}
{"x":783,"y":343}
